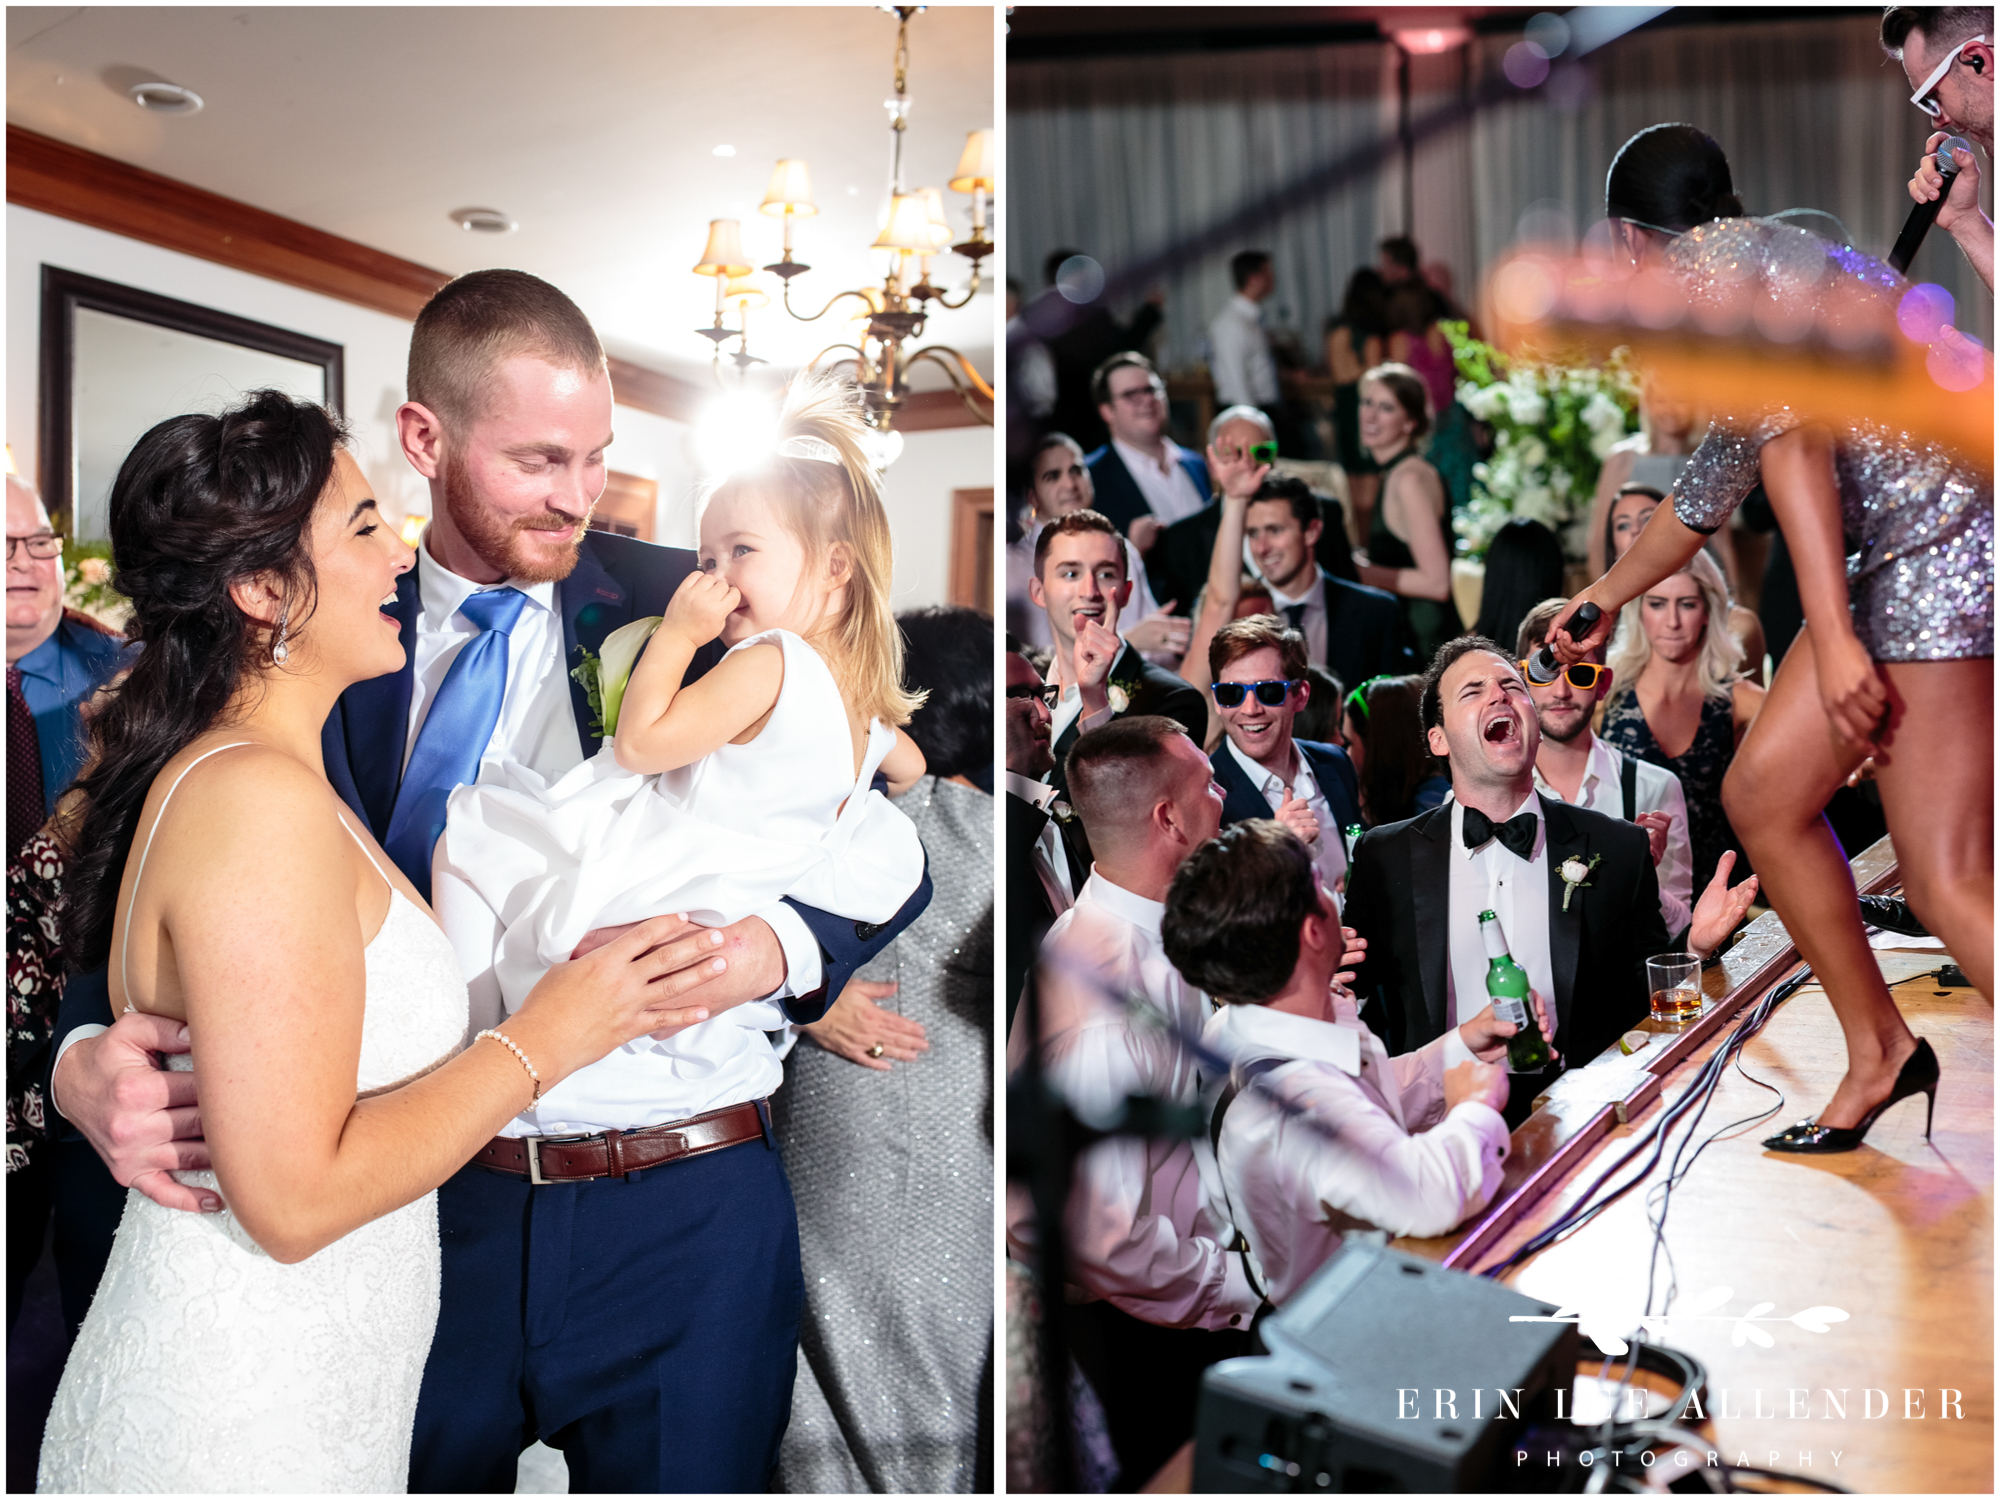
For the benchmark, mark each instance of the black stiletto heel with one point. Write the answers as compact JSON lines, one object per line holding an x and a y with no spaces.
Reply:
{"x":1919,"y":1075}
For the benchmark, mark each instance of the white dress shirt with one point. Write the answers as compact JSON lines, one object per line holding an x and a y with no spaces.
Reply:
{"x":1329,"y":851}
{"x":1164,"y":482}
{"x":1239,"y":356}
{"x":1142,"y":1234}
{"x":1395,"y":1159}
{"x":1050,"y":861}
{"x":1312,"y":624}
{"x":1494,"y":878}
{"x":1656,"y":789}
{"x":1030,"y":623}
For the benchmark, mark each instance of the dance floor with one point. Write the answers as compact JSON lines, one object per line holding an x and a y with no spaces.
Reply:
{"x":1898,"y":1396}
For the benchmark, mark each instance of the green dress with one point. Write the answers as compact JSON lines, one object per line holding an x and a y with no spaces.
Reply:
{"x":1432,"y":621}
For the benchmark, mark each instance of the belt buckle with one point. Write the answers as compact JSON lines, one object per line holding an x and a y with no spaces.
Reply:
{"x":534,"y":1144}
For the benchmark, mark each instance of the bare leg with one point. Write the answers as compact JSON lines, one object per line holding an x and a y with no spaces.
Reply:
{"x":1778,"y":784}
{"x":1935,"y":770}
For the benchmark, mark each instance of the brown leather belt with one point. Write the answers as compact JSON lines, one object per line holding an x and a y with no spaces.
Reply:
{"x":614,"y":1153}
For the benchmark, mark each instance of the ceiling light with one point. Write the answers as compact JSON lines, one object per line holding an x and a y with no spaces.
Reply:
{"x":162,"y":98}
{"x":483,"y":221}
{"x":725,"y":151}
{"x":1428,"y":40}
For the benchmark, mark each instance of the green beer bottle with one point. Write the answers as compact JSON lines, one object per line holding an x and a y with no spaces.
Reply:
{"x":1507,"y":984}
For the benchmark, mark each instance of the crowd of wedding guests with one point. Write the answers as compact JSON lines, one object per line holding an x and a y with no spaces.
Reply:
{"x":1262,"y":777}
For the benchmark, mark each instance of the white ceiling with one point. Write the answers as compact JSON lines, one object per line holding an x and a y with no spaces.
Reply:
{"x":593,"y":127}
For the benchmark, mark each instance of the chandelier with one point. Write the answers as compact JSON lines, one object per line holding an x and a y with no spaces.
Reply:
{"x":915,"y":233}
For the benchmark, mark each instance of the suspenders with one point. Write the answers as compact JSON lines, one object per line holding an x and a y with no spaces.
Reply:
{"x":1241,"y":1244}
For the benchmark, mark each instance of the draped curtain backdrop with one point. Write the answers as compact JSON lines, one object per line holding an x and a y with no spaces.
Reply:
{"x":1122,"y":156}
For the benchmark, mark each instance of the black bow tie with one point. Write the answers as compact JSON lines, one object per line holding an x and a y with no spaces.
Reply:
{"x":1516,"y":833}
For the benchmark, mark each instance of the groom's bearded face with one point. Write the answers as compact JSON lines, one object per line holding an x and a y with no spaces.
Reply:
{"x":520,"y":546}
{"x":521,"y":476}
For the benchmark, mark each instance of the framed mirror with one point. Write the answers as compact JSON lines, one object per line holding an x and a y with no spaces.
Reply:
{"x":116,"y":360}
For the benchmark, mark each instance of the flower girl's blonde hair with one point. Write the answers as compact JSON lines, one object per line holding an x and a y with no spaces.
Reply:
{"x":826,"y":491}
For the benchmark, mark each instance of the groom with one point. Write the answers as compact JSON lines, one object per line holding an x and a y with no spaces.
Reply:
{"x":629,"y":1291}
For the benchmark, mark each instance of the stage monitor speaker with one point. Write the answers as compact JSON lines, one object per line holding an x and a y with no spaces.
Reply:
{"x":1387,"y":1374}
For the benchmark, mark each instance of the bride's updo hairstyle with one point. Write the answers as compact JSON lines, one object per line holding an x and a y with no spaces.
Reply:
{"x":825,"y":490}
{"x":1670,"y":177}
{"x":200,"y":502}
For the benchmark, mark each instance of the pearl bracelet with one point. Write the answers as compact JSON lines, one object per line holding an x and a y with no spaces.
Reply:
{"x":508,"y":1042}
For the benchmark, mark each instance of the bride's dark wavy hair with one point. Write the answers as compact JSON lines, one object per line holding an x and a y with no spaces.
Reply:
{"x":1671,"y":176}
{"x":200,"y":503}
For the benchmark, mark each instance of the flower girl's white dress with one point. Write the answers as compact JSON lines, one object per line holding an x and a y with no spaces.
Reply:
{"x":730,"y":835}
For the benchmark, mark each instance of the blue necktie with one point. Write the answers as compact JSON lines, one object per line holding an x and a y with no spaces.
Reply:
{"x":454,"y":734}
{"x":1295,"y":616}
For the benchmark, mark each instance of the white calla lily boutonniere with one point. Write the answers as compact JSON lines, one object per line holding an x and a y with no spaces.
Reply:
{"x":605,"y":675}
{"x":1576,"y":876}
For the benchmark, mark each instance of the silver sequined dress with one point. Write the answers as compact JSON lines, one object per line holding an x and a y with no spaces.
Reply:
{"x":893,"y":1176}
{"x":1919,"y":519}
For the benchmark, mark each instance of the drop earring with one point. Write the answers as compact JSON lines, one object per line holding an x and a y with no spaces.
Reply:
{"x":280,"y":652}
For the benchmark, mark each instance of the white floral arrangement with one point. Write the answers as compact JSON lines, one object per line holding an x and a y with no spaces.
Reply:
{"x":1553,"y":423}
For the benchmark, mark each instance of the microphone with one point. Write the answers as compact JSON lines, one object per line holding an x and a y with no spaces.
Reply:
{"x":1543,"y":668}
{"x":1923,"y":215}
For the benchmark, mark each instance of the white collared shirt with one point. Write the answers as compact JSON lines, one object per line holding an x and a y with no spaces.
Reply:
{"x":1031,"y":624}
{"x":1493,"y":877}
{"x":1164,"y":482}
{"x":1655,"y":789}
{"x":1050,"y":862}
{"x":1396,"y":1161}
{"x":1312,"y":624}
{"x":1141,"y":1229}
{"x":1329,"y":850}
{"x":1239,"y":355}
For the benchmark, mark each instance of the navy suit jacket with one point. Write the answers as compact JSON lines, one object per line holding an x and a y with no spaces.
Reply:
{"x":1118,"y":497}
{"x":616,"y":580}
{"x":1330,"y":767}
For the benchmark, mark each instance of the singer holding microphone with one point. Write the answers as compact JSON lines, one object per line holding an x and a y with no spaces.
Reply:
{"x":1947,"y":51}
{"x":1895,"y":661}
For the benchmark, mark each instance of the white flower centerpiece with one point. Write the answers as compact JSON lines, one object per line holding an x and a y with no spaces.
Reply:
{"x":1553,"y":423}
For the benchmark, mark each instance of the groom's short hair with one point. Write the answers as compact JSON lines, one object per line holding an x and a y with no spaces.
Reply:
{"x":476,"y":320}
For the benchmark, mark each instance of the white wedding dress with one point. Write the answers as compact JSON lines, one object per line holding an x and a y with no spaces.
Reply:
{"x":784,"y":815}
{"x":205,"y":1366}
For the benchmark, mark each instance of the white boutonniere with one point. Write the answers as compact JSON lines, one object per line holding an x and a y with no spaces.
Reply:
{"x":1061,"y":811}
{"x":1576,"y":875}
{"x":1119,"y":695}
{"x":603,"y":676}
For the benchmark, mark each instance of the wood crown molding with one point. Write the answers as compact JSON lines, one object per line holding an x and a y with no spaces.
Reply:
{"x":69,"y":182}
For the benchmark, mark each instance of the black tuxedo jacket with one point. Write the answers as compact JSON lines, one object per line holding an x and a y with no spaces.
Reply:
{"x":1029,"y":913}
{"x":1119,"y":500}
{"x":1177,"y":567}
{"x":616,"y":580}
{"x":1330,"y":767}
{"x":1398,"y":897}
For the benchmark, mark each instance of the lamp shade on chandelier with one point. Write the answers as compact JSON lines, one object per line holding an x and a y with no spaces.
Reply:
{"x":892,"y":314}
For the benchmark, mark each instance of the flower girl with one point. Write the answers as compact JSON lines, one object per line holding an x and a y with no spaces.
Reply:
{"x":718,"y":797}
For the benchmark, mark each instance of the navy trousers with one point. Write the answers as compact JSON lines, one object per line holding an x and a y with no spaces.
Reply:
{"x":647,"y":1326}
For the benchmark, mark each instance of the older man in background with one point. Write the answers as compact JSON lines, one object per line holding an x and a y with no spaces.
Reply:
{"x":56,"y":658}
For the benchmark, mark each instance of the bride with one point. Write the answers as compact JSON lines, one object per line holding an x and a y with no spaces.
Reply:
{"x":277,"y":1342}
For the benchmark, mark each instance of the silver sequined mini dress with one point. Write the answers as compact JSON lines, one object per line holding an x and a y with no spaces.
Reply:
{"x":1918,"y":518}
